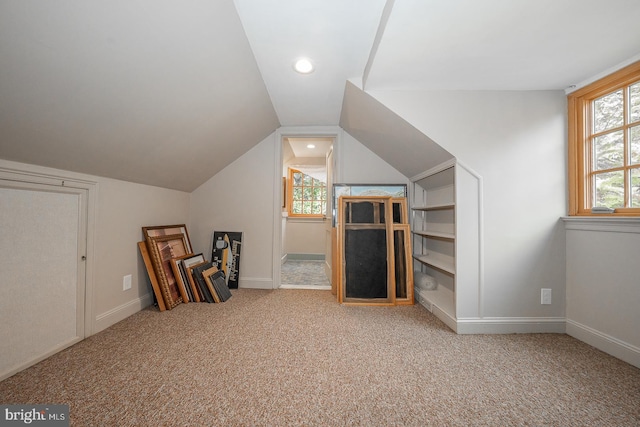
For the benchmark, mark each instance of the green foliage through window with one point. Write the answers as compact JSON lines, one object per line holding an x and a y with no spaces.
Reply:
{"x":308,"y":195}
{"x":615,"y":147}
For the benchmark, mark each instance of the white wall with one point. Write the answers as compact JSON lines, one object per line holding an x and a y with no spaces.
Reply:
{"x":121,"y":210}
{"x":517,"y":142}
{"x":305,"y":236}
{"x":603,"y":278}
{"x":240,"y":198}
{"x":359,"y":165}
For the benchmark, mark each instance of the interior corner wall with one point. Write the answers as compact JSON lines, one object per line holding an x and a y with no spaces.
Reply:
{"x":602,"y":284}
{"x":240,"y":198}
{"x":517,"y":142}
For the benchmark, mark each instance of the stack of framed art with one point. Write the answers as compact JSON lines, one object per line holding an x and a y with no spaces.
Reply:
{"x":178,"y":275}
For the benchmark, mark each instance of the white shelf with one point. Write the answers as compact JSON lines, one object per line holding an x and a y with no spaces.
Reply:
{"x":439,"y":234}
{"x":441,"y":298}
{"x":437,"y":262}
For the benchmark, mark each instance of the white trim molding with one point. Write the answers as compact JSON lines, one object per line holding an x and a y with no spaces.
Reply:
{"x":511,"y":325}
{"x":115,"y":315}
{"x":256,"y":283}
{"x":610,"y":345}
{"x":612,"y":224}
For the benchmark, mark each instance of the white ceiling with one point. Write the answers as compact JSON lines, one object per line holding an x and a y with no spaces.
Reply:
{"x":168,"y":93}
{"x":337,"y":35}
{"x":301,"y":150}
{"x":503,"y":44}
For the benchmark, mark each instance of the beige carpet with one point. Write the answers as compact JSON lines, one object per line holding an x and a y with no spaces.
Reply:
{"x":295,"y":357}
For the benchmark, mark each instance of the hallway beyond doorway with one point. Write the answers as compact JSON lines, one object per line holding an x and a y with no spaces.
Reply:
{"x":303,"y":274}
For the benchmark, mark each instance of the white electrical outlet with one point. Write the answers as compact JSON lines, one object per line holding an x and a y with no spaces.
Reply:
{"x":545,"y":296}
{"x":126,"y":282}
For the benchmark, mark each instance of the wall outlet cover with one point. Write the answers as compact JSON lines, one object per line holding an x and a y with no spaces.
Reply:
{"x":126,"y":282}
{"x":545,"y":296}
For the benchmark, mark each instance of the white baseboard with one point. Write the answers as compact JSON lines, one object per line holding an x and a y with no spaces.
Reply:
{"x":28,"y":363}
{"x":511,"y":325}
{"x":312,"y":287}
{"x":113,"y":316}
{"x":610,"y":345}
{"x":255,"y":283}
{"x":444,"y":316}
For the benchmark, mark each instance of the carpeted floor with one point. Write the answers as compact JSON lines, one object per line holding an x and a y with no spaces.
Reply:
{"x":297,"y":358}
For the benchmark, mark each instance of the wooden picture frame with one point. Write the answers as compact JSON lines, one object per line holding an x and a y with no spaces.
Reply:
{"x":188,"y":262}
{"x":181,"y":278}
{"x":162,"y":249}
{"x":284,"y":192}
{"x":207,"y":279}
{"x":370,"y":228}
{"x":389,"y":190}
{"x":166,"y":230}
{"x":403,"y":263}
{"x":192,"y":281}
{"x":401,"y":204}
{"x":146,"y":258}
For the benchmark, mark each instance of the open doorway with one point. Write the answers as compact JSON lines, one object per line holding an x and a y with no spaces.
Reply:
{"x":307,"y":179}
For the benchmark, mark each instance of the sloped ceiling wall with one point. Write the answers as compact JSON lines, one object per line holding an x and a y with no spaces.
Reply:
{"x":168,"y":93}
{"x":140,"y":91}
{"x":388,"y":135}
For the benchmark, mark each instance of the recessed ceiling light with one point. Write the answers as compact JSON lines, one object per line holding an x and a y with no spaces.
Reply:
{"x":311,"y":146}
{"x":303,"y":66}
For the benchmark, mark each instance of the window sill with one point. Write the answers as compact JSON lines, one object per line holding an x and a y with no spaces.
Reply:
{"x":305,"y":219}
{"x":614,"y":224}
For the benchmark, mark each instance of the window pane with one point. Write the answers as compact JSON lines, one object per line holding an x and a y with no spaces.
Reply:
{"x":609,"y":189}
{"x":634,"y":145}
{"x":634,"y":102}
{"x":297,"y":178}
{"x":307,"y":194}
{"x":608,"y":151}
{"x":635,"y":188}
{"x":608,"y":112}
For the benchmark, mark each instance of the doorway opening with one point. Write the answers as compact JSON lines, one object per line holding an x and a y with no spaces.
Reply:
{"x":307,"y":168}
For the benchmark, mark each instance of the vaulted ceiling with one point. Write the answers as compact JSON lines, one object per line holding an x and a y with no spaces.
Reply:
{"x":168,"y":93}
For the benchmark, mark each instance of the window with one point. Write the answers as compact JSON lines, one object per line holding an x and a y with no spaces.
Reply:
{"x":604,"y":144}
{"x":307,"y":195}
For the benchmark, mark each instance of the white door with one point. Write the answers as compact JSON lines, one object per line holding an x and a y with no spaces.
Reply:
{"x":42,"y":272}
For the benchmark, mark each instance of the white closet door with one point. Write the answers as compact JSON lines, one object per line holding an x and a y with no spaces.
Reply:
{"x":41,"y":276}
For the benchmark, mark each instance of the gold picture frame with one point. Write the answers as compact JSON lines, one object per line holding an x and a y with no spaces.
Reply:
{"x":167,"y":230}
{"x":162,"y":249}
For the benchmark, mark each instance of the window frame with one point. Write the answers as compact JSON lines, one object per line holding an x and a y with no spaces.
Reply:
{"x":290,"y":200}
{"x":579,"y":134}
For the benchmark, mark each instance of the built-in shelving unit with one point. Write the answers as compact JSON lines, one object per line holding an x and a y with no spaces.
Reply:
{"x":445,"y":234}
